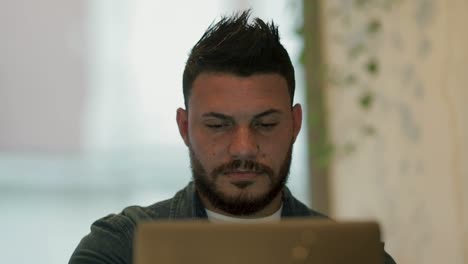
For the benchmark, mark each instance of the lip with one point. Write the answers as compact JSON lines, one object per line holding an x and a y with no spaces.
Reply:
{"x":242,"y":176}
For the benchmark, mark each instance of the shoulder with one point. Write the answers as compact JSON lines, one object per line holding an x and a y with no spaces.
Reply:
{"x":111,"y":237}
{"x":132,"y":215}
{"x":292,"y":207}
{"x":126,"y":221}
{"x":159,"y":210}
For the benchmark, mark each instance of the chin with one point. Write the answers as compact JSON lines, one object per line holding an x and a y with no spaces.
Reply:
{"x":243,"y":190}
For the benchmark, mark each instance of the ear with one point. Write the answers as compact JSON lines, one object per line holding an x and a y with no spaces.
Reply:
{"x":297,"y":120}
{"x":182,"y":123}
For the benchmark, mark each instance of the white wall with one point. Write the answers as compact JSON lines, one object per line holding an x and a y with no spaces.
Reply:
{"x":42,"y":74}
{"x":412,"y":174}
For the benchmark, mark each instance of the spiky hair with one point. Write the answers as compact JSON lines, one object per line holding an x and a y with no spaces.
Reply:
{"x":235,"y":45}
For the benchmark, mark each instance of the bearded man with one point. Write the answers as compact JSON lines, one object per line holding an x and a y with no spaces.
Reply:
{"x":239,"y":124}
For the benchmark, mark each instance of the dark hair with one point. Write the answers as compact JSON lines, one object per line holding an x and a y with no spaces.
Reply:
{"x":234,"y":46}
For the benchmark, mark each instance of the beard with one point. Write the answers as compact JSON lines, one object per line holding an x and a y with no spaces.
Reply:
{"x":242,"y":204}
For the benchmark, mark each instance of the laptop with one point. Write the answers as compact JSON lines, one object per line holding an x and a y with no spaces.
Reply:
{"x":288,"y":241}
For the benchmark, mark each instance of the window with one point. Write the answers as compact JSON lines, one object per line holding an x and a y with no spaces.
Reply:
{"x":131,"y":149}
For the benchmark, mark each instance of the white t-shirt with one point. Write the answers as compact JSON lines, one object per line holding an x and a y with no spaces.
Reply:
{"x":219,"y":218}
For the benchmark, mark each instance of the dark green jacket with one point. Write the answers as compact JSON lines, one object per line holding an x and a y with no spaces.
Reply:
{"x":111,"y":237}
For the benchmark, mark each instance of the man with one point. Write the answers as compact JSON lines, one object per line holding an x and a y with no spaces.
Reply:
{"x":239,"y":124}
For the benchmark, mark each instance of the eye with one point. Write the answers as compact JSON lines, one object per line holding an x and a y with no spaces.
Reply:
{"x":214,"y":125}
{"x":217,"y":125}
{"x":266,"y":125}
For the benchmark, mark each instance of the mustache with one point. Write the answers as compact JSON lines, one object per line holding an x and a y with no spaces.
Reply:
{"x":244,"y":166}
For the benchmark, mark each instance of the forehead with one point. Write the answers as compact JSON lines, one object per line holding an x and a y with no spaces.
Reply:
{"x":224,"y":92}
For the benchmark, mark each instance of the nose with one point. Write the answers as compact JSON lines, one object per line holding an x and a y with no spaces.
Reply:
{"x":243,"y":144}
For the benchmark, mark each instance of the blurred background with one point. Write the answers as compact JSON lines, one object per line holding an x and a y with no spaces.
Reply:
{"x":89,"y":89}
{"x":88,"y":96}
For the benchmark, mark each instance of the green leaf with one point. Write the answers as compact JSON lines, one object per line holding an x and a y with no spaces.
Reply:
{"x":374,"y":26}
{"x":323,"y":154}
{"x":361,"y":3}
{"x":372,"y":66}
{"x":302,"y":57}
{"x":368,"y":130}
{"x":314,"y":118}
{"x":366,"y":101}
{"x":300,"y":30}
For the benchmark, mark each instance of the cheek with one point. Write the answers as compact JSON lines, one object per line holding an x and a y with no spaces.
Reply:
{"x":273,"y":149}
{"x":213,"y":152}
{"x":208,"y":149}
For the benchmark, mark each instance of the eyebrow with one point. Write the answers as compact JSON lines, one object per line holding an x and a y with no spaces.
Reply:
{"x":218,"y":115}
{"x":267,"y":112}
{"x":230,"y":118}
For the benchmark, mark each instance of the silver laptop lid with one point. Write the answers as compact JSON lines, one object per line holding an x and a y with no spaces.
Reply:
{"x":287,"y":241}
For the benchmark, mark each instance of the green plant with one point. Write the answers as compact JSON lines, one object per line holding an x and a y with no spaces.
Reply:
{"x":362,"y":24}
